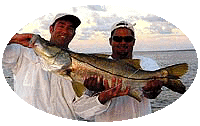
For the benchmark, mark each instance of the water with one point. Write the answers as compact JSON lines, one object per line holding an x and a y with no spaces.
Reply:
{"x":169,"y":58}
{"x":163,"y":59}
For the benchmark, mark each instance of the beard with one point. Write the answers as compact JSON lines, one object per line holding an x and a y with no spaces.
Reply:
{"x":122,"y":55}
{"x":60,"y":41}
{"x":122,"y":52}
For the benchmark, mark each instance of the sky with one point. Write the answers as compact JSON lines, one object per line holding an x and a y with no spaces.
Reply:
{"x":153,"y":33}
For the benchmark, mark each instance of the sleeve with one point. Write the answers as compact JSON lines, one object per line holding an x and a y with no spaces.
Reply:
{"x":87,"y":107}
{"x":11,"y":56}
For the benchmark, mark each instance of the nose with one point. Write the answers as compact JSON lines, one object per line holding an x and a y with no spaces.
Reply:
{"x":63,"y":32}
{"x":67,"y":32}
{"x":123,"y":42}
{"x":123,"y":45}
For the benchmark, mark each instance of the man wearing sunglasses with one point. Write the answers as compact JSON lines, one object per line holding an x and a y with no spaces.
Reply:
{"x":123,"y":107}
{"x":122,"y":40}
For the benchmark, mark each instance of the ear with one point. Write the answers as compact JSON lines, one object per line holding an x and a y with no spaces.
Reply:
{"x":74,"y":34}
{"x":51,"y":29}
{"x":134,"y":42}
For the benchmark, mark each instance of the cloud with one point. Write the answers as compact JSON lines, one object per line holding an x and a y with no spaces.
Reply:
{"x":45,"y":21}
{"x":45,"y":25}
{"x":96,"y":7}
{"x":36,"y":31}
{"x":86,"y":33}
{"x":153,"y":18}
{"x":98,"y":23}
{"x":158,"y":25}
{"x":149,"y":24}
{"x":74,"y":9}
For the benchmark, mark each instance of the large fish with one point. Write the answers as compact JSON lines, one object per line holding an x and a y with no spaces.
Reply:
{"x":75,"y":66}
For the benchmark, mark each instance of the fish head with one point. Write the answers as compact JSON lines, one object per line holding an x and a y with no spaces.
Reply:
{"x":52,"y":57}
{"x":43,"y":47}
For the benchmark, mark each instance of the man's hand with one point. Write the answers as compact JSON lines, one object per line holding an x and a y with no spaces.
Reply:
{"x":94,"y":83}
{"x":112,"y":92}
{"x":152,"y":89}
{"x":22,"y":39}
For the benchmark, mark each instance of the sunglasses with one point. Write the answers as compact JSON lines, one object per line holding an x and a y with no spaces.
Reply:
{"x":125,"y":38}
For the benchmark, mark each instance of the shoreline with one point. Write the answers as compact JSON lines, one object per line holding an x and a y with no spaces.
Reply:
{"x":139,"y":51}
{"x":168,"y":50}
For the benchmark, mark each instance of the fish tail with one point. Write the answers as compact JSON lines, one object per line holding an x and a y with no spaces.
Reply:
{"x":177,"y":70}
{"x":176,"y":86}
{"x":174,"y":73}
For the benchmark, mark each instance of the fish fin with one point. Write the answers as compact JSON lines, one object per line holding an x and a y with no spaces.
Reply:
{"x":176,"y":86}
{"x":177,"y":70}
{"x":133,"y":62}
{"x":78,"y":88}
{"x":136,"y":94}
{"x":101,"y":55}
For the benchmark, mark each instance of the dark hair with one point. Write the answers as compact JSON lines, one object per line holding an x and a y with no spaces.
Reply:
{"x":64,"y":20}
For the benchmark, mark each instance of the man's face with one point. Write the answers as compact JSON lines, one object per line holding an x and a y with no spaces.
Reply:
{"x":122,"y":42}
{"x":62,"y":33}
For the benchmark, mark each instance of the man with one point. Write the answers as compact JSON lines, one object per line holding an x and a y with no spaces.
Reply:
{"x":45,"y":90}
{"x":42,"y":89}
{"x":122,"y":41}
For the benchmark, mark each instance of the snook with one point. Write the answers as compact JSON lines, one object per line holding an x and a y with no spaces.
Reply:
{"x":75,"y":66}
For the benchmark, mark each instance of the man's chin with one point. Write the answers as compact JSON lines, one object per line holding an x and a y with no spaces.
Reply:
{"x":123,"y":54}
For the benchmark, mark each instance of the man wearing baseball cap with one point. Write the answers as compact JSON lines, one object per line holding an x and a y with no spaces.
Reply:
{"x":42,"y":89}
{"x":124,"y":107}
{"x":65,"y":36}
{"x":63,"y":29}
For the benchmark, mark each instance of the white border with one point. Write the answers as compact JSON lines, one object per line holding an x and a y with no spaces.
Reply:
{"x":16,"y":14}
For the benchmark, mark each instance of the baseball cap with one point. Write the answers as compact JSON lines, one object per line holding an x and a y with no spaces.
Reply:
{"x":123,"y":24}
{"x":63,"y":16}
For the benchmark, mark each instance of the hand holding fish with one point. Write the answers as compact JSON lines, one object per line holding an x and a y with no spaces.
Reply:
{"x":152,"y":89}
{"x":112,"y":92}
{"x":94,"y":83}
{"x":22,"y":39}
